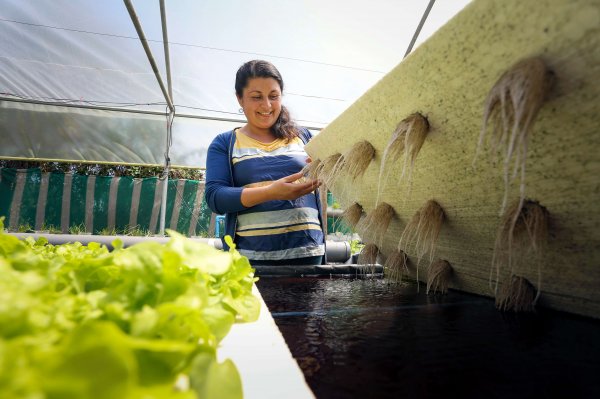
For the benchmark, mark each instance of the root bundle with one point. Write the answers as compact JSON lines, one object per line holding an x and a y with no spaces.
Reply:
{"x":368,"y":255}
{"x":327,"y":169}
{"x":376,"y":223}
{"x":407,"y":140}
{"x":512,"y":105}
{"x":423,"y":229}
{"x":312,"y":169}
{"x":517,"y":295}
{"x":523,"y":233}
{"x":352,"y":214}
{"x":357,"y":159}
{"x":523,"y":222}
{"x":354,"y":163}
{"x":438,"y":276}
{"x":395,"y":266}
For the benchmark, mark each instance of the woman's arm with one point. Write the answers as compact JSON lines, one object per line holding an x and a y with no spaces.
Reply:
{"x":221,"y":196}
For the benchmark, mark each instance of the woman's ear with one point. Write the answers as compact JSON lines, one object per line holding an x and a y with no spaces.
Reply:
{"x":239,"y":100}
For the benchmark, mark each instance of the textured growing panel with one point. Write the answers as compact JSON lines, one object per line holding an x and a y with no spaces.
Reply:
{"x":447,"y":80}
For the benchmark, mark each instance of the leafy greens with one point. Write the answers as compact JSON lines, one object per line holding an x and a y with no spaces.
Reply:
{"x":145,"y":321}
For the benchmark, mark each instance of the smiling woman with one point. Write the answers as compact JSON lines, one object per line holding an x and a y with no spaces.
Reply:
{"x":255,"y":176}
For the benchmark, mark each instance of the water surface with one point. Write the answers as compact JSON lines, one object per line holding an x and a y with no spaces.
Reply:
{"x":365,"y":338}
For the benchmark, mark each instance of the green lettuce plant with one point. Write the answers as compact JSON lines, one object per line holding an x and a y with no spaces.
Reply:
{"x":145,"y":321}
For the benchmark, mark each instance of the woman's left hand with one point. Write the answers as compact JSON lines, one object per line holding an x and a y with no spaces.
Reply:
{"x":292,"y":187}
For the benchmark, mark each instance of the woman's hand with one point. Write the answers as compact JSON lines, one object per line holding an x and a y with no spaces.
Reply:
{"x":293,"y":186}
{"x":287,"y":188}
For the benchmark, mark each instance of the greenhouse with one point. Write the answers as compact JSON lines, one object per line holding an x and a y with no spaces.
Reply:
{"x":426,"y":224}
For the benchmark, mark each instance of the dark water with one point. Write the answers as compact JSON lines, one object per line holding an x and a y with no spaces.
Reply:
{"x":358,"y":338}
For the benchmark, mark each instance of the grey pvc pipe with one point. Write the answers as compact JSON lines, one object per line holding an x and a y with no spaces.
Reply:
{"x":337,"y":251}
{"x":58,"y":239}
{"x":334,"y":213}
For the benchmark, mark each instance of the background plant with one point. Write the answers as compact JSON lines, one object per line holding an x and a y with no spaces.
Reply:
{"x":95,"y":169}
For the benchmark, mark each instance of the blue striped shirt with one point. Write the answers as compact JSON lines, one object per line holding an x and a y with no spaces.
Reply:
{"x":279,"y":229}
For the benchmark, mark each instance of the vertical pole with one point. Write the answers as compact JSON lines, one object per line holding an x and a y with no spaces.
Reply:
{"x":163,"y":204}
{"x":166,"y":93}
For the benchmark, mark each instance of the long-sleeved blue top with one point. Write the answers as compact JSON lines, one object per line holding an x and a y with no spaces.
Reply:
{"x":222,"y":196}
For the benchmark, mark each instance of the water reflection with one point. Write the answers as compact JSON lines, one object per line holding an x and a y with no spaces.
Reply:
{"x":357,"y":338}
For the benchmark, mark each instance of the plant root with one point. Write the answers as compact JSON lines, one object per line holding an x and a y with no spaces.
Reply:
{"x":518,"y":295}
{"x":438,"y":276}
{"x":368,"y":255}
{"x":356,"y":161}
{"x":327,"y":171}
{"x":423,"y":229}
{"x":312,"y":169}
{"x":376,"y":223}
{"x":395,"y":266}
{"x":352,"y":214}
{"x":523,"y":231}
{"x":512,"y":105}
{"x":407,"y":140}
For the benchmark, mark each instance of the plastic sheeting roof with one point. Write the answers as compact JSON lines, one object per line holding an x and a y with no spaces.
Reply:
{"x":87,"y":53}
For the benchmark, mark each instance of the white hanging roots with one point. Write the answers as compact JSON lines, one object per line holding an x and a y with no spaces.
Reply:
{"x":352,"y":214}
{"x":438,"y":276}
{"x":368,"y":255}
{"x":407,"y":140}
{"x":517,"y":295}
{"x":512,"y":105}
{"x":523,"y":233}
{"x":395,"y":266}
{"x":356,"y":161}
{"x":423,"y":230}
{"x":326,"y":169}
{"x":312,"y":169}
{"x":376,"y":223}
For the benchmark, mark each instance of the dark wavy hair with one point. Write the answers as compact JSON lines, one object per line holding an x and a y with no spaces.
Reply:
{"x":284,"y":127}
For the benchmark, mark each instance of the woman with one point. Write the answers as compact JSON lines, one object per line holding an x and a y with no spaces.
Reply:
{"x":253,"y":175}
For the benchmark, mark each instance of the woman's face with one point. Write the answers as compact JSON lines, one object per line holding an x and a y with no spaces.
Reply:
{"x":261,"y":101}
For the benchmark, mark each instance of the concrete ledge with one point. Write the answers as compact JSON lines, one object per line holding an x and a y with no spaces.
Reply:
{"x":263,"y":359}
